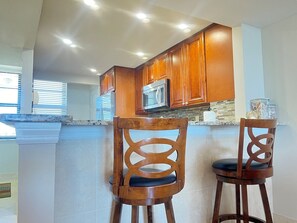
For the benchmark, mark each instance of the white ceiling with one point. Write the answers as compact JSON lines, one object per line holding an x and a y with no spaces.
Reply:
{"x":111,"y":35}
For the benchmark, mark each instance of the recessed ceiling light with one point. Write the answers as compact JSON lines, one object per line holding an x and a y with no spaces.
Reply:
{"x":93,"y":70}
{"x":143,"y":17}
{"x":140,"y":54}
{"x":67,"y":41}
{"x":92,"y":4}
{"x":184,"y":27}
{"x":144,"y":58}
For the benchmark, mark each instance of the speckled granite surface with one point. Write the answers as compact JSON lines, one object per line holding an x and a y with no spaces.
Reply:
{"x":68,"y":120}
{"x":35,"y":118}
{"x":87,"y":122}
{"x":216,"y":123}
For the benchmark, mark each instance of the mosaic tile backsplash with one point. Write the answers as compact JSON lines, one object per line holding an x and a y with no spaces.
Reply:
{"x":225,"y":111}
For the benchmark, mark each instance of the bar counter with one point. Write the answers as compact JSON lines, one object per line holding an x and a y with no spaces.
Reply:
{"x":82,"y":164}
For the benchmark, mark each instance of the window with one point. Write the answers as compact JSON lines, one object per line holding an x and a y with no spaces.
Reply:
{"x":49,"y":97}
{"x":10,"y":94}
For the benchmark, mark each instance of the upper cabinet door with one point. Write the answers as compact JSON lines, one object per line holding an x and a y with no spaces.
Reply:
{"x":156,"y":69}
{"x":194,"y":70}
{"x":161,"y":65}
{"x":139,"y":74}
{"x":219,"y":63}
{"x":187,"y":69}
{"x":150,"y":72}
{"x":107,"y":82}
{"x":177,"y":76}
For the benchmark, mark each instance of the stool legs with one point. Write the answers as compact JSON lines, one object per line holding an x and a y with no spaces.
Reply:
{"x":149,"y":214}
{"x":237,"y":197}
{"x":245,"y":215}
{"x":135,"y":214}
{"x":169,"y":212}
{"x":265,"y":203}
{"x":215,"y":218}
{"x":117,"y":212}
{"x":245,"y":203}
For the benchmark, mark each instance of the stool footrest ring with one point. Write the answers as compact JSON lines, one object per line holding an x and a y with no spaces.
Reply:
{"x":226,"y":217}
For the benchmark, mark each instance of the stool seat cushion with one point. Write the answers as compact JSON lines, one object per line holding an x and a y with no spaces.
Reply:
{"x":137,"y":181}
{"x":231,"y":164}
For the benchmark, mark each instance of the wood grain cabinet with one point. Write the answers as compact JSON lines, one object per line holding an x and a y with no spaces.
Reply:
{"x":219,"y":63}
{"x":200,"y":68}
{"x":107,"y":82}
{"x":156,"y":69}
{"x":139,"y":83}
{"x":187,"y":73}
{"x":123,"y":83}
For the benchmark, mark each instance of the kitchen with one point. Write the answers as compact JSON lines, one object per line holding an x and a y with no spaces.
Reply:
{"x":277,"y":82}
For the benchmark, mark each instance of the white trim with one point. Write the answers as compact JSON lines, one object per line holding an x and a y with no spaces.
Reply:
{"x":10,"y":69}
{"x":33,"y":133}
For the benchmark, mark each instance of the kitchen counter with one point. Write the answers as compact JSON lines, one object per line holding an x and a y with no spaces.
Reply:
{"x":68,"y":120}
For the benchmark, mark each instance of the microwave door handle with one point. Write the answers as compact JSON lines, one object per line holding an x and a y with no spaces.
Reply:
{"x":158,"y":99}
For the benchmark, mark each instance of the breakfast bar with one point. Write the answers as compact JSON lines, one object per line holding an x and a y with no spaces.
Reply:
{"x":64,"y":166}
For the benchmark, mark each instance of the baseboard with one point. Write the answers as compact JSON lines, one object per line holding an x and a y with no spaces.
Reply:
{"x":283,"y":219}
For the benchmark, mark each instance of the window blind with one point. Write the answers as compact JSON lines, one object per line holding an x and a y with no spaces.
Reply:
{"x":49,"y":97}
{"x":10,"y":95}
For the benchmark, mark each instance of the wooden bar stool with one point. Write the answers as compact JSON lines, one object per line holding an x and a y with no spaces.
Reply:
{"x":250,"y":170}
{"x":152,"y":167}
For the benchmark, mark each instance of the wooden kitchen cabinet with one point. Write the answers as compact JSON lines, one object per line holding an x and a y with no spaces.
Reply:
{"x":107,"y":82}
{"x":187,"y":69}
{"x":177,"y":77}
{"x":195,"y":70}
{"x":149,"y":72}
{"x":156,"y":69}
{"x":123,"y":83}
{"x":161,"y":66}
{"x":139,"y":83}
{"x":219,"y":63}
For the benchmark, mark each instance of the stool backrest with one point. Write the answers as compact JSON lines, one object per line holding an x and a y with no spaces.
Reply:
{"x":150,"y":135}
{"x":259,"y":149}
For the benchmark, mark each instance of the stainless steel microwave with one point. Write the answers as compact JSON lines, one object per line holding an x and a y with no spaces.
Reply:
{"x":155,"y":96}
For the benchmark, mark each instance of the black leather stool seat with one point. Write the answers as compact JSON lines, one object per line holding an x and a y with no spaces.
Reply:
{"x":137,"y":181}
{"x":231,"y":164}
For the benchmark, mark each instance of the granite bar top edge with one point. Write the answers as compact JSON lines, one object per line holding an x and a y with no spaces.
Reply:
{"x":191,"y":123}
{"x":87,"y":123}
{"x":213,"y":123}
{"x":67,"y":120}
{"x":35,"y":118}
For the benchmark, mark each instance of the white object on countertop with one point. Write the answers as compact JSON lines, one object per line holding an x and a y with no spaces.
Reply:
{"x":209,"y":116}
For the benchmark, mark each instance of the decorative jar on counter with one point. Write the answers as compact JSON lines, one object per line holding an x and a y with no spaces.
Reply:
{"x":260,"y":106}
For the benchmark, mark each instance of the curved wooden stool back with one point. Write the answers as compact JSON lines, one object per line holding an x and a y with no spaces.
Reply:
{"x":251,"y":167}
{"x":157,"y":173}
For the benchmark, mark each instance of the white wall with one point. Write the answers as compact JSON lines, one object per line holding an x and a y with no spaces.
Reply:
{"x":26,"y":81}
{"x":81,"y":100}
{"x":253,"y":64}
{"x":248,"y":67}
{"x":280,"y":72}
{"x":239,"y":84}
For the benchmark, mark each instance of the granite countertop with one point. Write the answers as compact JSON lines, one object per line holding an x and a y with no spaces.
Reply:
{"x":215,"y":123}
{"x":35,"y":118}
{"x":67,"y":120}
